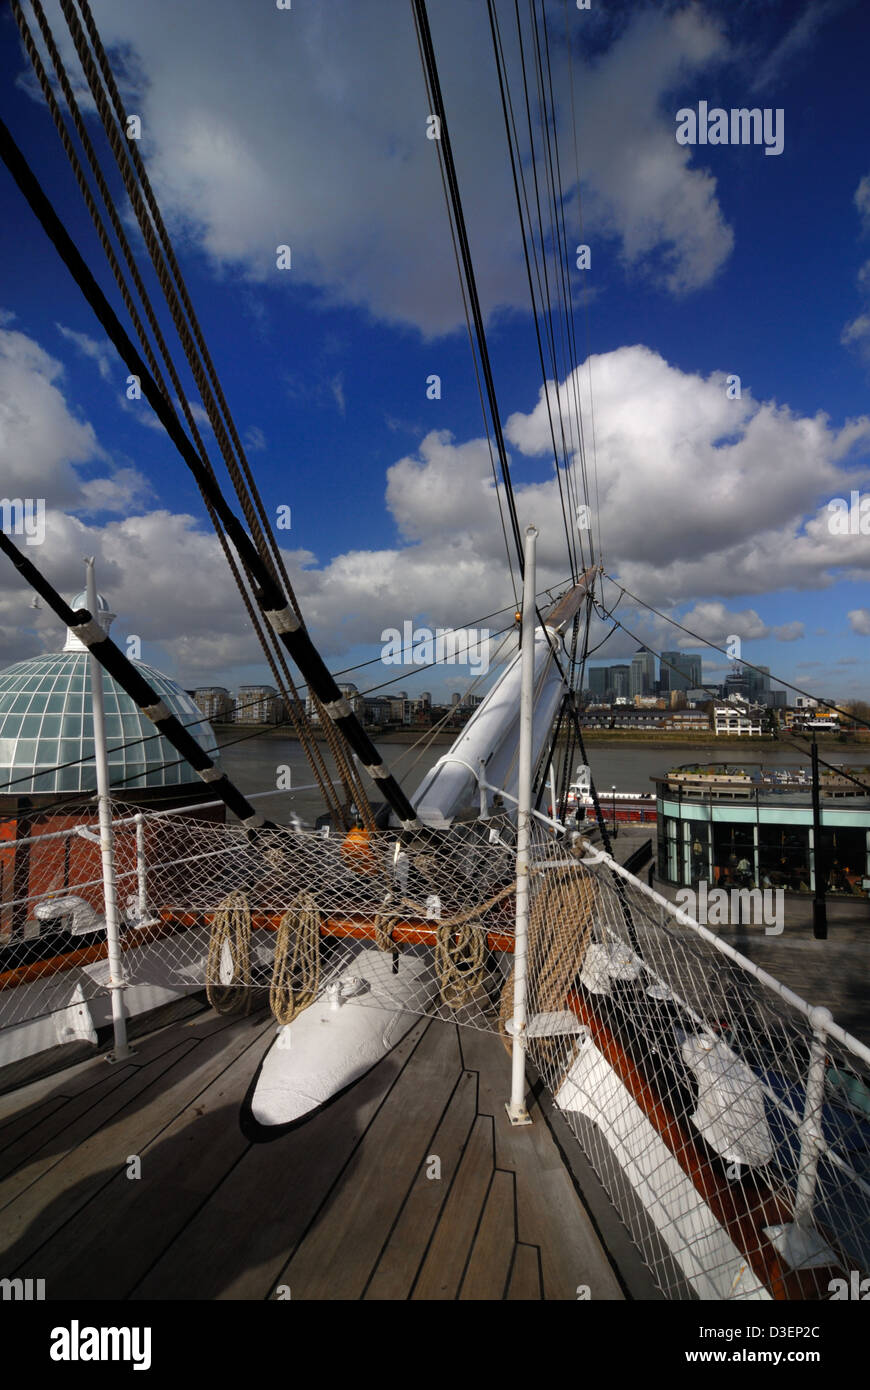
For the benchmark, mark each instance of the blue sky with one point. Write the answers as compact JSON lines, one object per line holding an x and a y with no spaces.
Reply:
{"x":307,"y":127}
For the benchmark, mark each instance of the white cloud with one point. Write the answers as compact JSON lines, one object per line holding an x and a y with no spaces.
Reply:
{"x":308,"y":128}
{"x":254,"y":439}
{"x":859,"y":621}
{"x":856,"y":333}
{"x":789,"y":632}
{"x":703,"y":499}
{"x":41,"y":440}
{"x":103,"y":353}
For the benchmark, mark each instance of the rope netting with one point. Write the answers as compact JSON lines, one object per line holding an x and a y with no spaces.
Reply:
{"x":728,"y":1122}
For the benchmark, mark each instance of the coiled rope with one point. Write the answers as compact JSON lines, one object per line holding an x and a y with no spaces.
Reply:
{"x":296,"y":973}
{"x":230,"y":933}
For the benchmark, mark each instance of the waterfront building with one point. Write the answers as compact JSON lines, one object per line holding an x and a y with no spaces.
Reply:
{"x":598,"y":681}
{"x":215,"y":702}
{"x":258,"y":704}
{"x":737,"y":718}
{"x":620,"y":681}
{"x":752,"y":827}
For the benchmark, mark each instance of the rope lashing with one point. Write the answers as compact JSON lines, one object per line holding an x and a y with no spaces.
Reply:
{"x":459,"y":962}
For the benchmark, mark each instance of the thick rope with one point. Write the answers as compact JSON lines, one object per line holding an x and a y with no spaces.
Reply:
{"x":230,"y":931}
{"x":560,"y":925}
{"x":460,"y":962}
{"x":296,"y":973}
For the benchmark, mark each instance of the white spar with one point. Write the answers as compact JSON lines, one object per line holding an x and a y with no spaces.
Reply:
{"x":492,"y":733}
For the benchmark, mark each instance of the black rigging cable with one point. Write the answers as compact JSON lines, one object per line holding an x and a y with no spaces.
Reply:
{"x":421,"y":20}
{"x":269,"y":595}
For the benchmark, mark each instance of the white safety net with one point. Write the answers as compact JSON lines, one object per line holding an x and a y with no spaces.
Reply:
{"x":729,"y":1124}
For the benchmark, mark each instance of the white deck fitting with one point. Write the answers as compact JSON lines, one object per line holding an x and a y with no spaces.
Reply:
{"x":326,"y":1048}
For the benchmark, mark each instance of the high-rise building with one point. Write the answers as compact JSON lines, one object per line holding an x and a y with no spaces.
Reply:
{"x":598,"y":680}
{"x":643,"y":673}
{"x":680,"y":671}
{"x":759,"y":682}
{"x":620,"y":681}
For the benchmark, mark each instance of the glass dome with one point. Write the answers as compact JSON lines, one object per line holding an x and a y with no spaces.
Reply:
{"x":45,"y":720}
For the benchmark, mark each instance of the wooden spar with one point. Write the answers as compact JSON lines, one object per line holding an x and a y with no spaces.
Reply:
{"x":562,"y":612}
{"x":409,"y":932}
{"x":733,"y":1207}
{"x":359,"y":926}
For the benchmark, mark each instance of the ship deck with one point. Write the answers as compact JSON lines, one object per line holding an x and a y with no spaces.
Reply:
{"x":346,"y":1206}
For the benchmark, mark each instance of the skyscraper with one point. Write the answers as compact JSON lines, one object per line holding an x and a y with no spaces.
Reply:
{"x":680,"y":670}
{"x":619,"y":681}
{"x":643,"y":673}
{"x":598,"y":681}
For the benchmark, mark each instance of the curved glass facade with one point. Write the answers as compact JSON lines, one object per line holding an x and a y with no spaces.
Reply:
{"x":45,"y":720}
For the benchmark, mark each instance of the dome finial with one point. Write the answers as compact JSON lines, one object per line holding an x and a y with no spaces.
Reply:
{"x":103,"y":615}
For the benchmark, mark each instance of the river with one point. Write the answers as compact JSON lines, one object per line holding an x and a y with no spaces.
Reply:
{"x":257,"y":764}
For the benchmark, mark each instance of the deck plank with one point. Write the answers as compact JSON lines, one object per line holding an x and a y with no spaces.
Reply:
{"x":60,"y":1202}
{"x":238,"y":1244}
{"x":442,"y":1271}
{"x":406,"y":1246}
{"x":336,"y":1258}
{"x":550,"y":1214}
{"x":74,"y":1126}
{"x":84,"y":1075}
{"x":492,"y":1253}
{"x":525,"y":1280}
{"x":85,"y":1111}
{"x":24,"y":1120}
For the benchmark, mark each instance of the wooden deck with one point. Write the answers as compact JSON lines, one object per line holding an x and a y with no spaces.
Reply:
{"x":347,"y":1206}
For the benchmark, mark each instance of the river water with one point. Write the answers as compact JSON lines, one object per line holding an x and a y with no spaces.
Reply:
{"x":256,"y":765}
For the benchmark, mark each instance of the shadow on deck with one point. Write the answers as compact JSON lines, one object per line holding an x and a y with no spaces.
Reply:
{"x":411,"y":1185}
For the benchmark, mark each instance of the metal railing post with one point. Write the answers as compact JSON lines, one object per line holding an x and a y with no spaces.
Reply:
{"x":141,"y":870}
{"x":516,"y":1107}
{"x":117,"y":983}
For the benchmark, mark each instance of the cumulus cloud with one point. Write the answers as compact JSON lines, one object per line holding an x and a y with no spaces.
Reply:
{"x":859,"y":621}
{"x":702,"y":499}
{"x":701,"y":494}
{"x":44,"y":445}
{"x":307,"y":128}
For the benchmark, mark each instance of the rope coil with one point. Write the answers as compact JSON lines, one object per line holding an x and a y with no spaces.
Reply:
{"x":231,"y":932}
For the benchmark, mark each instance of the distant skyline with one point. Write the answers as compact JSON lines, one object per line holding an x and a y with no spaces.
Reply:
{"x":710,"y":264}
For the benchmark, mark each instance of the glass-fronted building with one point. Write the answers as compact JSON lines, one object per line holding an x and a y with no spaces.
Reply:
{"x":46,"y":726}
{"x":751,"y":828}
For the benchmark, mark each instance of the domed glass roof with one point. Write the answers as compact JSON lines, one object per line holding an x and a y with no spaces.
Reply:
{"x":46,"y":720}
